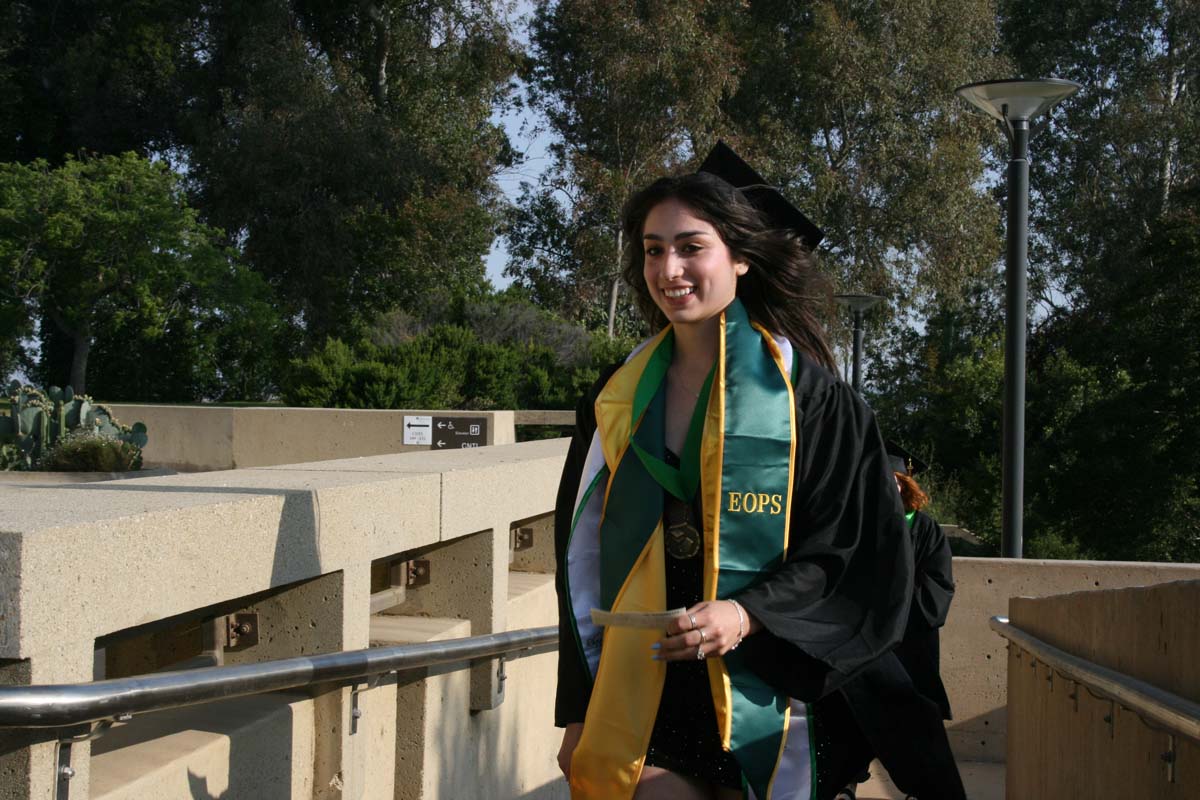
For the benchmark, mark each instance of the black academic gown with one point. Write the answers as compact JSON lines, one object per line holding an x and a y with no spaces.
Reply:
{"x":898,"y":702}
{"x":919,"y":651}
{"x":841,"y":598}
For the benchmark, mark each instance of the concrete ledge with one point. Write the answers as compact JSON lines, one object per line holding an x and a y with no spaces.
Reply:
{"x":974,"y":658}
{"x":192,"y":438}
{"x":135,"y":567}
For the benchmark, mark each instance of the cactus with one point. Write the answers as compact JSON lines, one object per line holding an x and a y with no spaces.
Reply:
{"x":36,"y":421}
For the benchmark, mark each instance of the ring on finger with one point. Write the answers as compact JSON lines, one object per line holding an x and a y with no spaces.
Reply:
{"x":699,"y":652}
{"x":692,"y":617}
{"x":703,"y":638}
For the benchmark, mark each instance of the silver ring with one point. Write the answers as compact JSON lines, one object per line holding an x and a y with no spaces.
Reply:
{"x":703,"y":638}
{"x":692,"y":617}
{"x":699,"y":653}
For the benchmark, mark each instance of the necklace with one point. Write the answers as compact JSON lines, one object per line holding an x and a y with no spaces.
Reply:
{"x":676,"y":381}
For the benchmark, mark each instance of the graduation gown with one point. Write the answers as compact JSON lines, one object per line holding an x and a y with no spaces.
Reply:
{"x":893,"y":710}
{"x":919,"y":651}
{"x":841,"y":597}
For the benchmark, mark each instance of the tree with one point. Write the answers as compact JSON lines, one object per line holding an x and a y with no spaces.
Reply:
{"x":108,"y":244}
{"x":631,"y":90}
{"x":1116,"y":181}
{"x":1117,"y":151}
{"x":106,"y":76}
{"x":850,"y":107}
{"x":349,"y":150}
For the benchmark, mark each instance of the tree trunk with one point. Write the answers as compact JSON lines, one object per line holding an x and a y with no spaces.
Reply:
{"x":1166,"y":169}
{"x":79,"y":359}
{"x":616,"y":290}
{"x":383,"y":46}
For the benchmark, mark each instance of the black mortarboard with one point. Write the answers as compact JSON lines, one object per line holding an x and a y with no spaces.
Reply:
{"x":729,"y":166}
{"x":903,"y":461}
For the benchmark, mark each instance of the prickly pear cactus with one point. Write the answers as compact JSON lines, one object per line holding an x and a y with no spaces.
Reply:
{"x":36,"y":421}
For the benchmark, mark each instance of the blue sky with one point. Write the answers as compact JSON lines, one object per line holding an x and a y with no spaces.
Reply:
{"x":527,"y":132}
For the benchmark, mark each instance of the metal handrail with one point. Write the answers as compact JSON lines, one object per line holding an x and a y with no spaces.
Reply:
{"x":63,"y":705}
{"x":1175,"y":714}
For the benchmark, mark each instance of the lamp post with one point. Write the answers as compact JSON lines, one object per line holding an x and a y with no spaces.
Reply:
{"x":1014,"y":104}
{"x":859,"y":304}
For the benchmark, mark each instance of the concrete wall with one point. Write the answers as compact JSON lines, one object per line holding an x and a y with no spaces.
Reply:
{"x":195,"y":438}
{"x":1064,"y":741}
{"x":89,"y":570}
{"x":974,"y":658}
{"x":119,"y":576}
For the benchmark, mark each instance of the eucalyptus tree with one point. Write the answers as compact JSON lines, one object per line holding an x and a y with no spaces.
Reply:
{"x":850,"y":107}
{"x":628,"y":88}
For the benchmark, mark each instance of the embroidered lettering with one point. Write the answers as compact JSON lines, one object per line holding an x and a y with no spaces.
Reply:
{"x":755,"y":503}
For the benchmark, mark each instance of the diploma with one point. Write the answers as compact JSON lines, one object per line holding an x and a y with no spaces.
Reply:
{"x":654,"y":620}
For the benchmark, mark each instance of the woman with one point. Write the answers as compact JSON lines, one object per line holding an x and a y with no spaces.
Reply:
{"x":724,"y":469}
{"x":906,"y":731}
{"x":933,"y":582}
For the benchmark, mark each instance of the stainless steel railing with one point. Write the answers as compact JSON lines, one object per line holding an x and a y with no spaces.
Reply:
{"x":1174,"y":714}
{"x":65,"y":705}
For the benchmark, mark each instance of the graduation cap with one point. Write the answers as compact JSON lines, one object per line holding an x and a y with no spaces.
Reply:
{"x":729,"y":166}
{"x":903,"y":461}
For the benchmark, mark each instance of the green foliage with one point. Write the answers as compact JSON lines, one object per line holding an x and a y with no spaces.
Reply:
{"x":850,"y":106}
{"x":622,"y":86}
{"x":352,"y":150}
{"x":105,"y":250}
{"x":874,"y":146}
{"x":88,"y":451}
{"x":492,"y":366}
{"x":348,"y":152}
{"x":37,"y":422}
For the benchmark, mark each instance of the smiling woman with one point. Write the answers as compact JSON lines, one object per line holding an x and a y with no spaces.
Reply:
{"x":688,"y":269}
{"x":723,"y":469}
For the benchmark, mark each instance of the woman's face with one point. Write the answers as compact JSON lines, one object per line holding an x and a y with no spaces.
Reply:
{"x":688,"y":268}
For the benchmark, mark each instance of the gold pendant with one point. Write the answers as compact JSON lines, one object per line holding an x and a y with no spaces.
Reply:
{"x":683,"y":541}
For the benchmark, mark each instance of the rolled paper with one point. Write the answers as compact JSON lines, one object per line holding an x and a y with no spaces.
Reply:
{"x":656,"y":620}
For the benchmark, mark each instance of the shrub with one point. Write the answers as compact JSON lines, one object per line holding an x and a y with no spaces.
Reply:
{"x":86,"y":451}
{"x":451,"y":366}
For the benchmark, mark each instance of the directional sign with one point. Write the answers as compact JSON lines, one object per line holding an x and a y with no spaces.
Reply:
{"x":418,"y":430}
{"x":454,"y":433}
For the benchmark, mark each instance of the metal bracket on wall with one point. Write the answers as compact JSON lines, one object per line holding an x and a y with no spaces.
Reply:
{"x":241,"y":631}
{"x":418,"y":573}
{"x":356,"y":713}
{"x":63,"y":771}
{"x":1169,"y":758}
{"x":522,"y":539}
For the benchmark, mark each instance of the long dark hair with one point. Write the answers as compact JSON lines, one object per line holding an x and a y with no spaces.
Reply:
{"x":782,"y":291}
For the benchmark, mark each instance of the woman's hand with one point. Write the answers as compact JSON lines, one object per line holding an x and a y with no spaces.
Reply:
{"x":567,"y":748}
{"x":710,"y":628}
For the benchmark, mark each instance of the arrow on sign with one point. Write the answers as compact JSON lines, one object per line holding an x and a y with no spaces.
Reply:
{"x":441,"y":443}
{"x":441,"y":424}
{"x":411,"y":425}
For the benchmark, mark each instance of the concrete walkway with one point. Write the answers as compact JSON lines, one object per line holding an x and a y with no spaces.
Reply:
{"x":984,"y":781}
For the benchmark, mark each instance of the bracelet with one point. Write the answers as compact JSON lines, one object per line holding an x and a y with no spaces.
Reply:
{"x":741,"y":623}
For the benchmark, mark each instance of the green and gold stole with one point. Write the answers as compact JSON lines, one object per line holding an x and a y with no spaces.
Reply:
{"x":746,"y":455}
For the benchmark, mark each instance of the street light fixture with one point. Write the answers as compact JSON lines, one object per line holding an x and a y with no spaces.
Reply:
{"x":859,"y":304}
{"x":1014,"y":104}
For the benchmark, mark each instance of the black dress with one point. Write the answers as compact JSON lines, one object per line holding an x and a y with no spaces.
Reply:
{"x":686,"y":738}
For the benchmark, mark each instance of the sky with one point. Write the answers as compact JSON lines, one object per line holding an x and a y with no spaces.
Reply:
{"x":528,"y":134}
{"x":531,"y":139}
